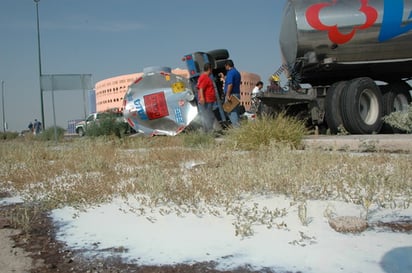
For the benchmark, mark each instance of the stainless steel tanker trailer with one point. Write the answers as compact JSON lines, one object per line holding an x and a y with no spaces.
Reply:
{"x":348,"y":62}
{"x":159,"y":103}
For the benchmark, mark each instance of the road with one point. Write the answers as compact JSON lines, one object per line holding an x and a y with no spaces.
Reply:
{"x":394,"y":143}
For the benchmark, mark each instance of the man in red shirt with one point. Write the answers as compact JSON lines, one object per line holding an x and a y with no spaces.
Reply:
{"x":206,"y":98}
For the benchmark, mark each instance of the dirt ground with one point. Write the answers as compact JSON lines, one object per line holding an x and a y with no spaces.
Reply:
{"x":12,"y":258}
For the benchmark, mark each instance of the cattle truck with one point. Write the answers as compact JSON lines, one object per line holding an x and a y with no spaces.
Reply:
{"x":347,"y":62}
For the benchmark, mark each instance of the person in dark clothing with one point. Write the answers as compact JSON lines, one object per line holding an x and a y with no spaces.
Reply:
{"x":31,"y":127}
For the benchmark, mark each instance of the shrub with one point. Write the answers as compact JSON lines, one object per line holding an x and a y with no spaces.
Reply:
{"x":108,"y":125}
{"x":266,"y":129}
{"x":9,"y":135}
{"x":401,"y":120}
{"x":49,"y":134}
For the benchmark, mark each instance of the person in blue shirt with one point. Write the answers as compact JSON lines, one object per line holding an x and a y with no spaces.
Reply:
{"x":232,"y":87}
{"x":36,"y":127}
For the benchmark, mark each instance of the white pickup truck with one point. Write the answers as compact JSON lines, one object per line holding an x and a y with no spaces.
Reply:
{"x":81,"y":127}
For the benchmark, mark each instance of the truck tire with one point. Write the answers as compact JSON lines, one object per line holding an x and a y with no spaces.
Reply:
{"x":362,"y":107}
{"x":399,"y":99}
{"x":220,"y":65}
{"x":396,"y":97}
{"x":219,"y":54}
{"x":80,"y":132}
{"x":333,"y":115}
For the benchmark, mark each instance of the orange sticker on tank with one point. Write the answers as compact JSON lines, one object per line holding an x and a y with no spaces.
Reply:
{"x":156,"y":106}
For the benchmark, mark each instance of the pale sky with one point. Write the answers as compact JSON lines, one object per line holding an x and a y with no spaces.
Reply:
{"x":110,"y":38}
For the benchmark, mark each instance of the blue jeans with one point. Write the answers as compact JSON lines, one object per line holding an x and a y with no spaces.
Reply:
{"x":234,"y":115}
{"x":207,"y":116}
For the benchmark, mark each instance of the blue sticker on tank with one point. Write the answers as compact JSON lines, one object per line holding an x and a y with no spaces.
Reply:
{"x":179,"y":116}
{"x":140,"y":110}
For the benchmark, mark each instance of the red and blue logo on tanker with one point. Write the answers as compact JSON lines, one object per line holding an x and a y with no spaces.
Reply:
{"x":392,"y":25}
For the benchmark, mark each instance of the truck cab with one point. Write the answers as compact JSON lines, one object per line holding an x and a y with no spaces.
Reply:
{"x":217,"y":58}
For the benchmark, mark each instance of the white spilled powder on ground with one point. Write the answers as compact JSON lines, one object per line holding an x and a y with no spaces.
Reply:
{"x":155,"y":239}
{"x":10,"y":200}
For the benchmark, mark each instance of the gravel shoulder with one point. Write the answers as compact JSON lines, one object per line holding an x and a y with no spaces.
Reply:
{"x":391,"y":143}
{"x":12,"y":258}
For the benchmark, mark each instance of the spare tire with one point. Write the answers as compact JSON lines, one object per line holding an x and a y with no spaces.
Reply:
{"x":362,"y":107}
{"x":219,"y":54}
{"x":220,"y":65}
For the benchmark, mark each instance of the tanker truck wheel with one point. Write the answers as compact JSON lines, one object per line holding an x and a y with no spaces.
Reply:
{"x":396,"y":97}
{"x":333,"y":115}
{"x":362,"y":107}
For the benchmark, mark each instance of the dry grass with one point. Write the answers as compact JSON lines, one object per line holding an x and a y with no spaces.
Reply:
{"x":168,"y":172}
{"x":281,"y":129}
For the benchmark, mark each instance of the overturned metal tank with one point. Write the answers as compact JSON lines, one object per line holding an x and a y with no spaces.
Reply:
{"x":159,"y":103}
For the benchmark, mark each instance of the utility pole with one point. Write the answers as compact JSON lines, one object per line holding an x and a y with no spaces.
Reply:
{"x":40,"y":72}
{"x":2,"y":103}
